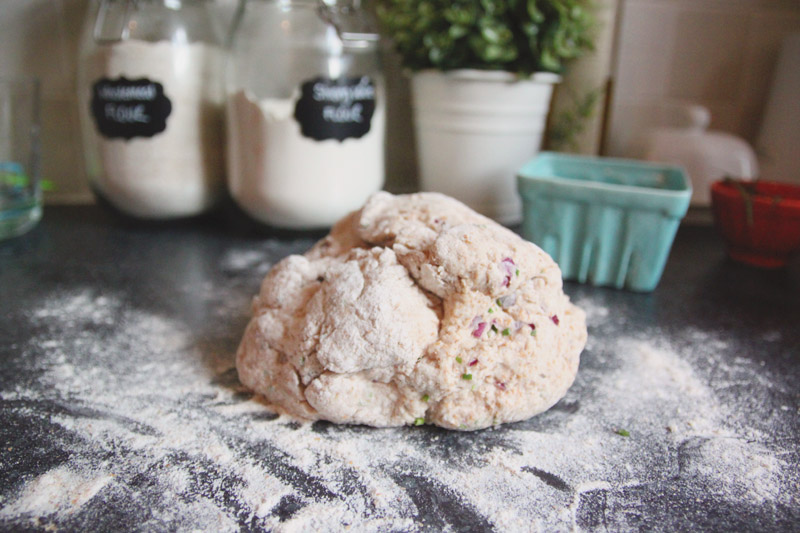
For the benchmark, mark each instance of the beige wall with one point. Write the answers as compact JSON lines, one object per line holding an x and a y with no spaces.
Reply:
{"x":718,"y":53}
{"x":40,"y":37}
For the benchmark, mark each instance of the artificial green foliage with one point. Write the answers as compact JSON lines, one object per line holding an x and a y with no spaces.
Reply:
{"x":570,"y":122}
{"x":523,"y":36}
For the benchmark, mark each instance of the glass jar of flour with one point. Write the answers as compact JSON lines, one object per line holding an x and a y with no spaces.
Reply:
{"x":151,"y":98}
{"x":305,"y":111}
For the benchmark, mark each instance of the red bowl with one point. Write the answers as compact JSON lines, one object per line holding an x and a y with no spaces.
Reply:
{"x":759,"y":220}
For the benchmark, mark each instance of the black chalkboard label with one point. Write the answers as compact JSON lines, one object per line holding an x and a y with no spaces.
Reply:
{"x":124,"y":108}
{"x":336,"y":109}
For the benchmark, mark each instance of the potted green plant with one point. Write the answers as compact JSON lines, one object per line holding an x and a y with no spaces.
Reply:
{"x":482,"y":75}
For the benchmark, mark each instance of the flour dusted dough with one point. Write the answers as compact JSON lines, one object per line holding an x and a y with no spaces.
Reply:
{"x":414,"y":308}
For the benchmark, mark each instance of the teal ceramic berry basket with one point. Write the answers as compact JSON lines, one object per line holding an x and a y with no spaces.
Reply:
{"x":607,"y":222}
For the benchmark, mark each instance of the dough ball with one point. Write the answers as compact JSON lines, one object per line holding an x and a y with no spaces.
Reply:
{"x":414,"y":308}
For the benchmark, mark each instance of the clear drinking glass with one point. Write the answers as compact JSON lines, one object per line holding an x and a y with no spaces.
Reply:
{"x":20,"y":190}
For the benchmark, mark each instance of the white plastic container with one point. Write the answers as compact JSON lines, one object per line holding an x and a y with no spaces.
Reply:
{"x":707,"y":156}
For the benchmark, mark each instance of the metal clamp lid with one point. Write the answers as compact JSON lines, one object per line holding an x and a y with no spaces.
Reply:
{"x":111,"y":24}
{"x":354,"y":25}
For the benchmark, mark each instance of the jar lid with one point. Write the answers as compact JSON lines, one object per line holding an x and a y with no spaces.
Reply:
{"x":354,"y":25}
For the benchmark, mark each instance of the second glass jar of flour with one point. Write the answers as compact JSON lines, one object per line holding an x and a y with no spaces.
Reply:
{"x":151,"y":100}
{"x":305,"y":111}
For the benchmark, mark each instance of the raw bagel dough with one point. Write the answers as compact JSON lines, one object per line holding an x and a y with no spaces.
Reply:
{"x":414,"y":308}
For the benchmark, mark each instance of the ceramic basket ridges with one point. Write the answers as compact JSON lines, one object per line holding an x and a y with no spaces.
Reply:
{"x":606,"y":222}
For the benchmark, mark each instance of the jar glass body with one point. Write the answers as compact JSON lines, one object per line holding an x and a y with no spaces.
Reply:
{"x":150,"y":91}
{"x":305,"y":112}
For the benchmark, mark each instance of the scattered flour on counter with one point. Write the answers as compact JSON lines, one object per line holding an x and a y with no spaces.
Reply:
{"x":595,"y":311}
{"x":154,"y":412}
{"x":236,"y":261}
{"x":58,"y":490}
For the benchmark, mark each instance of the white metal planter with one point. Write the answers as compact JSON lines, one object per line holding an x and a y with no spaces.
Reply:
{"x":474,"y":130}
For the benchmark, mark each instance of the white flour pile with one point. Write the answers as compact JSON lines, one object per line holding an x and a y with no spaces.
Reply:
{"x":283,"y":178}
{"x":150,"y":412}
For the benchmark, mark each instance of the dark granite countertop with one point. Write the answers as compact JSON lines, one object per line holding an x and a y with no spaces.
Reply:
{"x":120,"y":408}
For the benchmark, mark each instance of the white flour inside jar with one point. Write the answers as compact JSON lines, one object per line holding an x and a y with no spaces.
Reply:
{"x":178,"y":171}
{"x":280,"y":177}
